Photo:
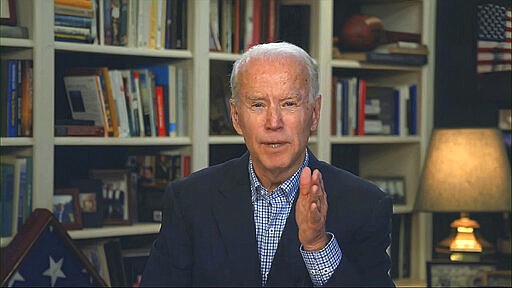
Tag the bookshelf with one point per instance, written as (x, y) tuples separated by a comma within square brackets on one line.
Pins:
[(378, 155)]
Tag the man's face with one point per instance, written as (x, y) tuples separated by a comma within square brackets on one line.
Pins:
[(274, 114)]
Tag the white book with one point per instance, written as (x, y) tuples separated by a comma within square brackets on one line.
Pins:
[(132, 23), (404, 97), (101, 8), (352, 106), (227, 31), (143, 23), (249, 11), (159, 24), (120, 102), (214, 25), (131, 103), (85, 98)]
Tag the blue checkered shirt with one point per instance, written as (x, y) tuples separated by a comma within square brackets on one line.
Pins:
[(271, 210)]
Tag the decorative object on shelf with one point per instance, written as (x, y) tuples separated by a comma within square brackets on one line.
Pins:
[(465, 170), (66, 208), (361, 32), (90, 201), (394, 186), (43, 254), (117, 195), (8, 12), (457, 274)]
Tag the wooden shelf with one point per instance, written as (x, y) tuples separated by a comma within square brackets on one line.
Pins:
[(132, 141), (117, 50), (16, 42), (16, 141), (114, 231), (375, 139), (353, 64)]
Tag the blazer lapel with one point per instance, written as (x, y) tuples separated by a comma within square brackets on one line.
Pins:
[(232, 208)]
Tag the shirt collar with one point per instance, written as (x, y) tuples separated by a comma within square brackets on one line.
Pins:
[(289, 187)]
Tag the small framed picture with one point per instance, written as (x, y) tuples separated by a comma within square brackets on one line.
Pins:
[(457, 274), (116, 194), (8, 12), (66, 208), (498, 278), (394, 186)]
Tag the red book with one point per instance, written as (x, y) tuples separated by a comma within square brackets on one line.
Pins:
[(271, 33), (361, 101), (160, 114), (256, 23), (236, 38)]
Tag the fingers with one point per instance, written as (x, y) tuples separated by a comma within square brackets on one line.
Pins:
[(305, 181)]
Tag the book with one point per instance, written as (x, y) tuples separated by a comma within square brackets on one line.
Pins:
[(119, 97), (72, 21), (226, 26), (412, 110), (74, 11), (137, 96), (68, 30), (215, 44), (182, 102), (7, 199), (132, 103), (9, 31), (402, 47), (146, 95), (75, 3), (143, 23), (85, 98), (160, 114), (79, 130), (383, 58), (12, 98), (248, 24), (14, 195), (386, 99), (361, 102), (26, 94), (256, 24)]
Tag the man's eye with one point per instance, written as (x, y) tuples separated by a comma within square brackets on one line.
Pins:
[(290, 104), (257, 105)]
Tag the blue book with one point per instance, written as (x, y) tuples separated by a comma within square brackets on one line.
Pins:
[(412, 110), (72, 21), (7, 199), (22, 162), (396, 129), (12, 100)]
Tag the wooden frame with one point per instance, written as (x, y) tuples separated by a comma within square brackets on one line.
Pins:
[(8, 12), (393, 185), (457, 274), (66, 208), (22, 252), (117, 194)]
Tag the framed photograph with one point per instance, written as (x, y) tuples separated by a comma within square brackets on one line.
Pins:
[(116, 195), (66, 208), (394, 186), (457, 274), (498, 278), (8, 12)]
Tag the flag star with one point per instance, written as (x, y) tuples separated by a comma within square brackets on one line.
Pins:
[(55, 270), (16, 277)]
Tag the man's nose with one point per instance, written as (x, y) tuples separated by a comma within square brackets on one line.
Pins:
[(274, 118)]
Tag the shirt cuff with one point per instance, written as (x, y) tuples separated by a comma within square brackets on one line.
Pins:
[(322, 264)]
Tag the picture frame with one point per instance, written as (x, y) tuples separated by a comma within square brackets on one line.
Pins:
[(392, 185), (498, 278), (8, 12), (457, 274), (66, 208), (116, 195)]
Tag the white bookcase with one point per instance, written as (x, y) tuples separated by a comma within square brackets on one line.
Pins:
[(379, 155)]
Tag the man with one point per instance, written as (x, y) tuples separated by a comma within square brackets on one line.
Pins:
[(276, 216)]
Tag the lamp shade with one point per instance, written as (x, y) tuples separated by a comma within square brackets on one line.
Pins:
[(466, 170)]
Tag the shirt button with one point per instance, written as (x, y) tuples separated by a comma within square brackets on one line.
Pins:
[(326, 270), (271, 230)]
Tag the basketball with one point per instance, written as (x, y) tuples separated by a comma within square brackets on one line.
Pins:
[(360, 33)]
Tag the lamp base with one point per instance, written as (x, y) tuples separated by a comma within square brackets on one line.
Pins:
[(464, 243)]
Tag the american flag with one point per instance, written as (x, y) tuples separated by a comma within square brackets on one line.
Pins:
[(493, 47)]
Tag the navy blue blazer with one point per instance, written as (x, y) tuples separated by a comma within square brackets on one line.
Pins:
[(208, 234)]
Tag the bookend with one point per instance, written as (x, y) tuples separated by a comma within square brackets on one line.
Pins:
[(43, 254)]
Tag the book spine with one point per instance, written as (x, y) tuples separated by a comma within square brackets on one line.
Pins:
[(72, 21), (361, 107), (26, 91), (403, 59), (107, 22), (6, 202), (22, 162), (12, 100), (123, 30), (115, 17), (160, 111), (75, 3), (73, 11), (79, 130), (72, 30), (256, 24), (111, 104)]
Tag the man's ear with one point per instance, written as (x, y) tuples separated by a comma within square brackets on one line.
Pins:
[(316, 112), (234, 116)]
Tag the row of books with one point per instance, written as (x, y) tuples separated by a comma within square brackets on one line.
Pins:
[(16, 98), (361, 108), (154, 24), (236, 25), (147, 101), (16, 193)]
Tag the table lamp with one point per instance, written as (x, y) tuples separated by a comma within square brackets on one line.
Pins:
[(466, 170)]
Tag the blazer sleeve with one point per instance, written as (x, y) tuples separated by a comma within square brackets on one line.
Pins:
[(365, 261), (169, 262)]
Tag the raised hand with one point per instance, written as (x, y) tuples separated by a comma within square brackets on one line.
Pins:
[(311, 211)]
